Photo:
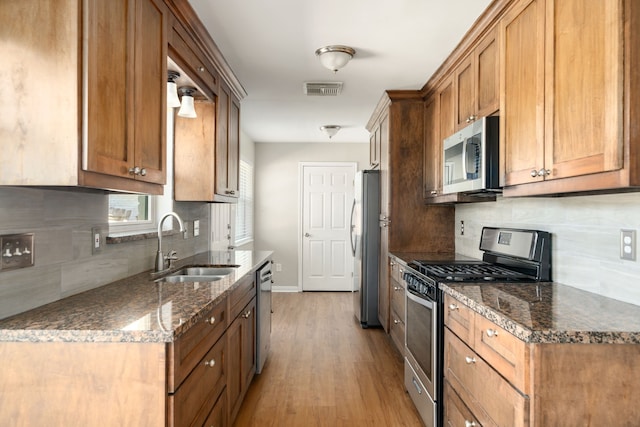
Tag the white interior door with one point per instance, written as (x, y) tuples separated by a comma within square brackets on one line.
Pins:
[(327, 261)]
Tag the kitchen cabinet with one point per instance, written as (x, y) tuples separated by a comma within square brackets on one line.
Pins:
[(241, 342), (398, 301), (227, 144), (476, 82), (494, 378), (406, 223), (103, 120), (374, 150), (566, 121)]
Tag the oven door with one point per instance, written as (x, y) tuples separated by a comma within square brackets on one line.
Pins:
[(421, 340)]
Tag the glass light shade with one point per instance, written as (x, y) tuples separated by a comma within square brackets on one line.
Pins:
[(172, 95), (335, 57), (187, 109), (330, 130)]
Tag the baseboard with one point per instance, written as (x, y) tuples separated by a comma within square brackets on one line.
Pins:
[(285, 289)]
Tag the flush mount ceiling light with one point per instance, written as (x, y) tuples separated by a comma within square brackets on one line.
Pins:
[(187, 109), (172, 89), (330, 130), (335, 57)]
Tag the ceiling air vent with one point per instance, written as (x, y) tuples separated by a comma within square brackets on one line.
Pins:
[(322, 89)]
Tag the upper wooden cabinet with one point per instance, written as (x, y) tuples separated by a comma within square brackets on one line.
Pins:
[(477, 82), (207, 148), (108, 98), (125, 101), (566, 84), (227, 144)]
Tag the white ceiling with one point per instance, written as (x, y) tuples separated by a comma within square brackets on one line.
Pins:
[(271, 44)]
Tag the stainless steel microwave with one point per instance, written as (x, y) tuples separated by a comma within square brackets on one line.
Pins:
[(470, 160)]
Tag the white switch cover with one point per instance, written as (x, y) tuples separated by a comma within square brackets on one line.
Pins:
[(196, 227)]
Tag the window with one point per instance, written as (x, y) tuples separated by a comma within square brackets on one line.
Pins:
[(244, 208), (131, 213)]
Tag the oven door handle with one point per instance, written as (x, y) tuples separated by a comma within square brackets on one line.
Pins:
[(424, 302)]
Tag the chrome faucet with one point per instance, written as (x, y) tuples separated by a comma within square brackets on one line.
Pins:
[(164, 262)]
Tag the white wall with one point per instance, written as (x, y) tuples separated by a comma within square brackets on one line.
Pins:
[(585, 237), (277, 196)]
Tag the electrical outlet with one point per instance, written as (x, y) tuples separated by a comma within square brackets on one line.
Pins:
[(628, 245), (462, 228), (278, 267), (196, 227), (97, 239)]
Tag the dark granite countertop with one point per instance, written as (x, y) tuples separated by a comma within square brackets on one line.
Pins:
[(135, 309), (551, 312)]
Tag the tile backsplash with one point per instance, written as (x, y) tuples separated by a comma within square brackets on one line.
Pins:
[(585, 237), (61, 220)]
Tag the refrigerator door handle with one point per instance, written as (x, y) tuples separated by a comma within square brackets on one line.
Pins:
[(351, 227)]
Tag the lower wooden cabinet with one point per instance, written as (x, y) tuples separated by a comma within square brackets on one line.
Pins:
[(456, 413)]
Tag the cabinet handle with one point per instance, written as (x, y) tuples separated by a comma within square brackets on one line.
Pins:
[(211, 363), (396, 321), (396, 288), (470, 423), (434, 192), (201, 69), (211, 320), (247, 314), (134, 170), (470, 360), (453, 307), (534, 173), (492, 333), (416, 385), (544, 172), (143, 172), (232, 192)]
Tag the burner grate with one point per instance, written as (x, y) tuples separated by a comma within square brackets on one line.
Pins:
[(469, 271)]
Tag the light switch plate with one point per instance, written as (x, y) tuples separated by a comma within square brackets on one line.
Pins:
[(98, 239), (17, 251), (628, 245)]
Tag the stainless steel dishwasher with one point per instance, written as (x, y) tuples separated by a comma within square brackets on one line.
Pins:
[(263, 303)]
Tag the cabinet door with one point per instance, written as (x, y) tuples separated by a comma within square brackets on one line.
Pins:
[(150, 82), (446, 100), (465, 95), (584, 87), (432, 149), (227, 143), (108, 145), (522, 93), (487, 75), (242, 357), (125, 93), (385, 198)]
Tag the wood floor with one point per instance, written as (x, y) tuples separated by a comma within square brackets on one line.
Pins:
[(325, 370)]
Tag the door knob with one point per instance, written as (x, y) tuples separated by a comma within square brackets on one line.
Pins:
[(307, 235)]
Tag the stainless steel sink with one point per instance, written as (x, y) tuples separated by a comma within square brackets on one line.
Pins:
[(209, 273)]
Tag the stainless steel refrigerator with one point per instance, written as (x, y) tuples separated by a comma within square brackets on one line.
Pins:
[(365, 245)]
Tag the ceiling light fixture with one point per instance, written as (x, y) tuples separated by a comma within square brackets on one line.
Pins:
[(187, 108), (330, 130), (335, 57), (172, 89)]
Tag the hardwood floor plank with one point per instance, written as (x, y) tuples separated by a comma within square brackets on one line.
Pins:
[(325, 370)]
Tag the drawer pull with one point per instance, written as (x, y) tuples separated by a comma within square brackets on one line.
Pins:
[(470, 423), (492, 333), (453, 307), (397, 288), (246, 314), (211, 363), (211, 320), (396, 321), (470, 360)]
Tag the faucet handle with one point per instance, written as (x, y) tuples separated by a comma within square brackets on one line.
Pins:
[(171, 256)]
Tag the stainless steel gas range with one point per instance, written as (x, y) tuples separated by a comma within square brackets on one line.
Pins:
[(509, 255)]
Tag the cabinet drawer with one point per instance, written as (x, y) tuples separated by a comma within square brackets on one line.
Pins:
[(459, 318), (218, 415), (456, 412), (200, 390), (398, 298), (396, 269), (507, 354), (185, 352), (492, 399), (242, 294), (396, 330)]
